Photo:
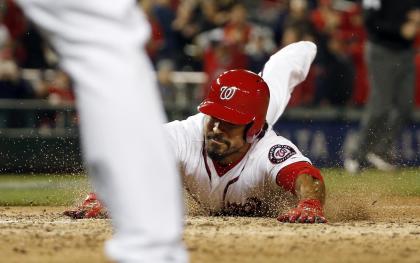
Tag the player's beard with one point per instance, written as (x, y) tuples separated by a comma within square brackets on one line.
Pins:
[(218, 150)]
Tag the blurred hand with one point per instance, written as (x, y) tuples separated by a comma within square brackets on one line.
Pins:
[(9, 70), (409, 30)]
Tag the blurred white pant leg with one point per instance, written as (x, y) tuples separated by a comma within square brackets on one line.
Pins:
[(101, 46)]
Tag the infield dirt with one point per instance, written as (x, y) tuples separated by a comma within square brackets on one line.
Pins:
[(360, 230)]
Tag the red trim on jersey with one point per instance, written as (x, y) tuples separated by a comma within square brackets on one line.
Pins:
[(234, 180), (286, 177), (205, 162), (221, 170)]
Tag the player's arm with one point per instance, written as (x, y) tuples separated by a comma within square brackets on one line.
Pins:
[(308, 187), (306, 182), (283, 72)]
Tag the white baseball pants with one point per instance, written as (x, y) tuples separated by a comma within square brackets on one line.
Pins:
[(100, 44)]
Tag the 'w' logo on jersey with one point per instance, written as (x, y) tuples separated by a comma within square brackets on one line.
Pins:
[(226, 93), (280, 153)]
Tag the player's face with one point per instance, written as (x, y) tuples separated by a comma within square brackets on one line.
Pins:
[(224, 141)]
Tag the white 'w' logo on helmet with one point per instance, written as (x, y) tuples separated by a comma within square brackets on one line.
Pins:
[(226, 93)]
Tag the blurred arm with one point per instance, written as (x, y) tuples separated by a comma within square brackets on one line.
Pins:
[(306, 182)]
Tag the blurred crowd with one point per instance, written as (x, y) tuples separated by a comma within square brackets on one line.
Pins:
[(212, 36), (217, 35)]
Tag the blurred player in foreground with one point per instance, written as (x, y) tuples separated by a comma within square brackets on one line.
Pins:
[(232, 162), (101, 46)]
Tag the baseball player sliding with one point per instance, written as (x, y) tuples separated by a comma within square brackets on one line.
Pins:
[(232, 162)]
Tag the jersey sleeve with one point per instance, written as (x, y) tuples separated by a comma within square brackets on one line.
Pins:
[(182, 135), (286, 177), (283, 72), (276, 154)]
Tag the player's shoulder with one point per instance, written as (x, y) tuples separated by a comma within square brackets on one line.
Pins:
[(271, 137), (277, 149)]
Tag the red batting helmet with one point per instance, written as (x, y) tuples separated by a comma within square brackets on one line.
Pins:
[(239, 97)]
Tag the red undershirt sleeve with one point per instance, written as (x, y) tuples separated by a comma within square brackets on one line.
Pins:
[(287, 176)]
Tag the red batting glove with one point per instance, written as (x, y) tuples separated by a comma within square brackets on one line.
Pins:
[(90, 208), (307, 211)]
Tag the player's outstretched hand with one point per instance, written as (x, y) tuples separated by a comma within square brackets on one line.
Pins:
[(90, 208), (307, 211)]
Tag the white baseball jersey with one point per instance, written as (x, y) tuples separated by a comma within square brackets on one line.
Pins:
[(249, 187), (253, 179)]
